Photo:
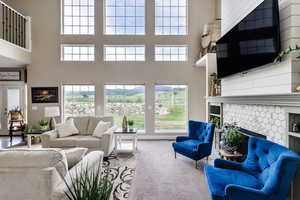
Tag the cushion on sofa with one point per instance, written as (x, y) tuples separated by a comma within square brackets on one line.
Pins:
[(86, 141), (101, 128), (27, 158), (67, 129), (74, 155), (81, 124), (226, 177), (95, 120)]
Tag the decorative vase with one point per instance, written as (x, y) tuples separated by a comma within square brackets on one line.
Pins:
[(44, 128), (125, 124), (131, 129)]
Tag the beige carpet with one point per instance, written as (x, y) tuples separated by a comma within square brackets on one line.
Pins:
[(160, 177)]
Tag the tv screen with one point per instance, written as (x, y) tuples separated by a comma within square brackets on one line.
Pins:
[(253, 42)]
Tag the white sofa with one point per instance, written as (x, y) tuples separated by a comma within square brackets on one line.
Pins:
[(39, 174), (85, 138)]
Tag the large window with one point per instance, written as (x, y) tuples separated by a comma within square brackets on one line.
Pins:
[(124, 53), (78, 100), (170, 17), (125, 17), (170, 53), (126, 100), (171, 107), (78, 17), (70, 52)]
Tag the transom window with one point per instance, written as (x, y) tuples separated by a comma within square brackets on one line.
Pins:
[(71, 52), (125, 17), (78, 17), (170, 17), (124, 53), (170, 53), (78, 100)]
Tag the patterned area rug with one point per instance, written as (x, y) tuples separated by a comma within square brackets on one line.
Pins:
[(121, 169)]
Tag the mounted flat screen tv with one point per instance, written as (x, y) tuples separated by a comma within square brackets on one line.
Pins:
[(252, 43)]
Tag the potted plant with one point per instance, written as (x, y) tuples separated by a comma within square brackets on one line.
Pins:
[(233, 138), (287, 52), (90, 184), (15, 113), (130, 124), (43, 125)]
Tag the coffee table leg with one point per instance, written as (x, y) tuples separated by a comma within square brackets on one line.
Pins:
[(29, 141)]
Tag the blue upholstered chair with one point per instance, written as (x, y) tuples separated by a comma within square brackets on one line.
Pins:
[(198, 143), (266, 174)]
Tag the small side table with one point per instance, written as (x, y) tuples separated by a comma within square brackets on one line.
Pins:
[(229, 156), (33, 134), (120, 145)]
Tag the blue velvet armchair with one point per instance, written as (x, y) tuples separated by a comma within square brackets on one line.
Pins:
[(266, 174), (198, 143)]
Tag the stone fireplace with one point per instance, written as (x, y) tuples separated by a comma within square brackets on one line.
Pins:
[(269, 121)]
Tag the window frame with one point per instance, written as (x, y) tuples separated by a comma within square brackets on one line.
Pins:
[(62, 55), (187, 113), (145, 22), (174, 35), (125, 61), (62, 21), (63, 99), (172, 61)]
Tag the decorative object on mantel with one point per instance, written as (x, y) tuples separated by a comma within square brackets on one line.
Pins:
[(295, 127), (287, 52), (215, 85), (10, 76), (44, 94), (232, 138), (125, 124), (210, 35)]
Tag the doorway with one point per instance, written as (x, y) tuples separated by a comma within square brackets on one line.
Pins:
[(11, 97)]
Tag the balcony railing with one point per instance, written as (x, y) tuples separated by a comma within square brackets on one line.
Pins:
[(14, 27)]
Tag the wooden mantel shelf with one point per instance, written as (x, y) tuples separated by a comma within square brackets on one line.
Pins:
[(292, 99)]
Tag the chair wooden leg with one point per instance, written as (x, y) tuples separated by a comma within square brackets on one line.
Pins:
[(207, 159), (196, 164), (175, 155)]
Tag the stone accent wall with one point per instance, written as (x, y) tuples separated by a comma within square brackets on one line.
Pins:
[(266, 120)]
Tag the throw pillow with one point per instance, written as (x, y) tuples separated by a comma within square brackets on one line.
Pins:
[(101, 128), (74, 155), (67, 129)]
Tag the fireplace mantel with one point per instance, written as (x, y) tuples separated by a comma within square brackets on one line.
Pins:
[(292, 99)]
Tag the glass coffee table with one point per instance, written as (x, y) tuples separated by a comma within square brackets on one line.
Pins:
[(125, 141)]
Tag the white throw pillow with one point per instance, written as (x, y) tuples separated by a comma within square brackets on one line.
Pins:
[(74, 155), (101, 128), (67, 129)]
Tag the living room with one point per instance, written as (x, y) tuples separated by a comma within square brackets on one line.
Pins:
[(149, 99)]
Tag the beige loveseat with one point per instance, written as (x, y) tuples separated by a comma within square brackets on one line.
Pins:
[(85, 138), (40, 174)]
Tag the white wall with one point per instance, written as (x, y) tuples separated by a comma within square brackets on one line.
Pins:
[(279, 78), (47, 70)]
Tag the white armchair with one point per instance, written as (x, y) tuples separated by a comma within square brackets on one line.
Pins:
[(38, 174)]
